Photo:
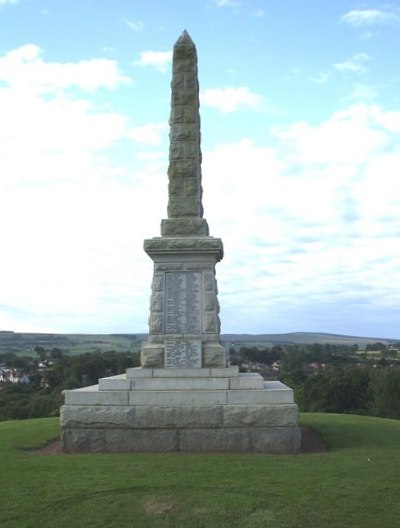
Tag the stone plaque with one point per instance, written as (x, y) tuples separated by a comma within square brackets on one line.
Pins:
[(183, 303), (182, 353)]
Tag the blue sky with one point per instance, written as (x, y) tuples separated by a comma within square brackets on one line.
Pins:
[(300, 109)]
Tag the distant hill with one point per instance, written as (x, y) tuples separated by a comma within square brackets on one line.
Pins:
[(305, 338), (25, 343)]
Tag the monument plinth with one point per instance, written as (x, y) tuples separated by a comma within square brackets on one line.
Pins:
[(185, 396)]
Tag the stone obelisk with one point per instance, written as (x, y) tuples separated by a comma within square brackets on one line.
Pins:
[(184, 397), (184, 325)]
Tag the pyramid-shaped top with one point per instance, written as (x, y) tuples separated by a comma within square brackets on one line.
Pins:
[(184, 40)]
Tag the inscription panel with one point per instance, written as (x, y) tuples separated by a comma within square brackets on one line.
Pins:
[(183, 302), (182, 353)]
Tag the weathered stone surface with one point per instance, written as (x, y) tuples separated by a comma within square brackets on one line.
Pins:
[(228, 372), (178, 416), (214, 356), (115, 383), (215, 440), (184, 226), (182, 373), (165, 245), (265, 396), (167, 384), (152, 357), (74, 440), (100, 417), (276, 440), (247, 381), (139, 372), (95, 397), (260, 415), (119, 440), (189, 397)]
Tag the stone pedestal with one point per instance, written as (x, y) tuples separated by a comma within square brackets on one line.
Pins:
[(181, 410), (184, 325)]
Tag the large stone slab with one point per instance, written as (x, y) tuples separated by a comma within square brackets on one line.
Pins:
[(178, 416), (215, 440), (97, 417), (95, 397), (260, 415), (177, 397), (119, 440), (276, 440), (187, 384)]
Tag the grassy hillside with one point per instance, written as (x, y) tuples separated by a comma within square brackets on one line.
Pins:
[(25, 343), (355, 484)]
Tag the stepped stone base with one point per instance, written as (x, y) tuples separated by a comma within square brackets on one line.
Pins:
[(181, 410)]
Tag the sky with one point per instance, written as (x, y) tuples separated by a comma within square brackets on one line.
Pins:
[(300, 113)]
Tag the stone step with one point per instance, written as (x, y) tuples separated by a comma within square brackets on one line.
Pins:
[(273, 392), (241, 382), (178, 416), (138, 372)]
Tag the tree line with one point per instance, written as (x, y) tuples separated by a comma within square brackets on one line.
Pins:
[(342, 379), (52, 371)]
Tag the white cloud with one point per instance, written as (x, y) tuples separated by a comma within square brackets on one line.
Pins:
[(345, 138), (231, 99), (361, 92), (370, 17), (259, 13), (150, 134), (354, 64), (5, 2), (227, 3), (135, 25), (23, 68), (311, 221), (158, 59)]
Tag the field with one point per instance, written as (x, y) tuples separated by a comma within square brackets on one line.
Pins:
[(24, 343), (355, 484)]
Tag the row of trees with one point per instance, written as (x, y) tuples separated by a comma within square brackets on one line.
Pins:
[(341, 380), (51, 373)]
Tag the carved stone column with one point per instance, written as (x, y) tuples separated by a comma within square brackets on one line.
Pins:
[(184, 325)]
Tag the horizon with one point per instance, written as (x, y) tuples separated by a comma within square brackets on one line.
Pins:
[(262, 334), (300, 141)]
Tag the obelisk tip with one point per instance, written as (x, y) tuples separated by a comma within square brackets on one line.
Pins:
[(184, 39)]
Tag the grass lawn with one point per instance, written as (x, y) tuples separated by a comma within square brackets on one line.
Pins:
[(355, 484)]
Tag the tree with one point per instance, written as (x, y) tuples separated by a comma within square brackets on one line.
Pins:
[(384, 389)]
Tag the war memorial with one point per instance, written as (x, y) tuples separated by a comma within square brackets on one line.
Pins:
[(185, 397)]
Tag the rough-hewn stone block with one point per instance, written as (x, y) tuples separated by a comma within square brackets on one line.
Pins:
[(247, 381), (168, 384), (215, 440), (197, 397), (260, 415), (214, 356), (178, 416), (119, 440), (95, 397), (152, 356), (276, 440), (100, 417), (240, 397)]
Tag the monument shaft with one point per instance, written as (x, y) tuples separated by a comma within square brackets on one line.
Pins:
[(184, 323)]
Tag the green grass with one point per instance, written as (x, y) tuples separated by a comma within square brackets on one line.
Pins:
[(355, 484)]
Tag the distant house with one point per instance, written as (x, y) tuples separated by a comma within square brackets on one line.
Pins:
[(8, 376)]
